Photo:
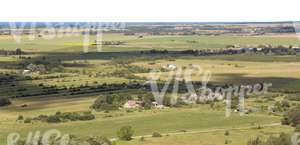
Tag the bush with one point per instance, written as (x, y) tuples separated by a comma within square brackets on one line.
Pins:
[(27, 120), (297, 128), (87, 116), (167, 101), (125, 133), (227, 141), (72, 116), (130, 110), (285, 103), (41, 118), (99, 141), (226, 133), (107, 103), (4, 102), (147, 99), (67, 116), (20, 117), (142, 138), (53, 119), (156, 134), (292, 117), (259, 127), (74, 140)]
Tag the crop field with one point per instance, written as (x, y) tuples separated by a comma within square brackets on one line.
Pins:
[(225, 71), (133, 43)]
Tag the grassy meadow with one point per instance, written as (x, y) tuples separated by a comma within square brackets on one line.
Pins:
[(189, 125), (194, 118), (133, 43), (282, 74)]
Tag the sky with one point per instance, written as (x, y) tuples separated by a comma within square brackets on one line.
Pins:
[(150, 10)]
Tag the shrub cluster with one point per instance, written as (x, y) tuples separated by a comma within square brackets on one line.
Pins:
[(63, 117), (98, 141), (282, 106), (4, 102), (108, 103), (156, 134), (292, 117), (125, 133)]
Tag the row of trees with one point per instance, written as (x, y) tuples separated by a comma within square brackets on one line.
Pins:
[(280, 50), (18, 51), (60, 117), (115, 101), (109, 102)]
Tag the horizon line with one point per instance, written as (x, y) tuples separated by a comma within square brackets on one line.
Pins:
[(230, 22)]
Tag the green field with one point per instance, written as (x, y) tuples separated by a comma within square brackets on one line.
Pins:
[(192, 119), (189, 125), (237, 137), (133, 43), (244, 69)]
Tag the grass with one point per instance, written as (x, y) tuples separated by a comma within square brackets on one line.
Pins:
[(146, 122), (133, 43), (283, 75), (282, 71), (236, 137)]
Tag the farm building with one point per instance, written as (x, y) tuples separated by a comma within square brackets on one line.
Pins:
[(132, 104), (171, 66)]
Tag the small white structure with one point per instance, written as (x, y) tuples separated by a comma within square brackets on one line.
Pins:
[(26, 72), (259, 49), (171, 66), (160, 107), (156, 105)]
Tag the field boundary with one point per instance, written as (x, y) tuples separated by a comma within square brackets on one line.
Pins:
[(203, 131)]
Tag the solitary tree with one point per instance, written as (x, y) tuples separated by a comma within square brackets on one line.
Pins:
[(125, 133), (18, 51)]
